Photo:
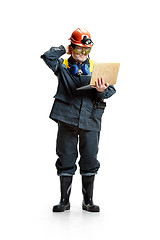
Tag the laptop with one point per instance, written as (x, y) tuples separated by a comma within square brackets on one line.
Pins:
[(109, 72)]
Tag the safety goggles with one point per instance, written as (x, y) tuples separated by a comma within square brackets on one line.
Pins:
[(81, 50)]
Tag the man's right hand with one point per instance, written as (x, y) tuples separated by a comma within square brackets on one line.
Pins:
[(68, 49)]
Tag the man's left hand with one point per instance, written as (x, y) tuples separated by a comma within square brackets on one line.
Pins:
[(100, 85)]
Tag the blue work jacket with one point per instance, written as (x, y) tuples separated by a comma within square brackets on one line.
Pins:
[(82, 108)]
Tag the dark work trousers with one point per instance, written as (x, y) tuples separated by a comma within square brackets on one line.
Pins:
[(67, 150)]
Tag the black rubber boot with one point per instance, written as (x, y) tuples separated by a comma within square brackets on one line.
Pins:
[(87, 190), (65, 185)]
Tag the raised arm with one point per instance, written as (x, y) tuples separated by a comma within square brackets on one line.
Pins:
[(51, 57)]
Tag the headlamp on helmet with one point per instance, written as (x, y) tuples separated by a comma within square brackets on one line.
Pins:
[(86, 40)]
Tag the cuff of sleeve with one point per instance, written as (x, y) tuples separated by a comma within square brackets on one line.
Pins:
[(63, 49), (102, 95)]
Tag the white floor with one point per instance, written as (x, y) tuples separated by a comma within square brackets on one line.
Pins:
[(129, 206), (127, 187)]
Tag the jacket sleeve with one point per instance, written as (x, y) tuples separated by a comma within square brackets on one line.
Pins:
[(52, 56), (107, 93)]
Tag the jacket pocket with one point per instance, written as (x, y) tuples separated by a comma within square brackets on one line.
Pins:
[(97, 113)]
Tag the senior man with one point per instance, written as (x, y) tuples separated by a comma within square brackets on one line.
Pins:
[(78, 114)]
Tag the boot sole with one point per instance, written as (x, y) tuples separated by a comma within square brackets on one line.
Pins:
[(90, 209), (61, 209)]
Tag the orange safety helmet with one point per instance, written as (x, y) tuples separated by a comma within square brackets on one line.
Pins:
[(81, 37)]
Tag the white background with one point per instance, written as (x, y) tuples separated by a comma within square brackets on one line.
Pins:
[(127, 186)]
